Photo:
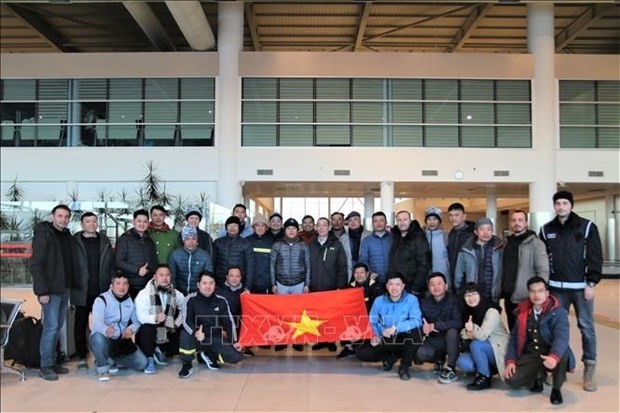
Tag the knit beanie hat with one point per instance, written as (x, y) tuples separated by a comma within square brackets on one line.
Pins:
[(274, 215), (432, 211), (291, 222), (233, 220), (259, 219), (192, 210), (188, 232), (352, 214), (563, 195)]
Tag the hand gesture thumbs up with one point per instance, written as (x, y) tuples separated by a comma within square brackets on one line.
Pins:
[(469, 325), (200, 335)]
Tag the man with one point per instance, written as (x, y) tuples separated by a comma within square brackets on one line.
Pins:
[(136, 255), (193, 216), (375, 249), (575, 263), (275, 226), (207, 328), (437, 241), (441, 325), (328, 266), (158, 307), (524, 257), (231, 291), (96, 258), (239, 211), (54, 269), (338, 229), (114, 324), (289, 267), (308, 233), (461, 231), (352, 239), (165, 238), (539, 342), (372, 289), (480, 262), (259, 281), (396, 320), (409, 253), (231, 250), (186, 263)]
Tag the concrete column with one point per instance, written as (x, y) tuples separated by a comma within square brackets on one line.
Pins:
[(492, 210), (369, 209), (228, 102), (541, 44), (387, 200)]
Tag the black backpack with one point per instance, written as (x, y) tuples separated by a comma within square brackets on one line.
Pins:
[(24, 339)]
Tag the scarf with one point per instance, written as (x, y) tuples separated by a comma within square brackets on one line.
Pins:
[(164, 227), (155, 293)]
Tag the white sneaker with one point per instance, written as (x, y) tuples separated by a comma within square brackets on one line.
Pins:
[(104, 377)]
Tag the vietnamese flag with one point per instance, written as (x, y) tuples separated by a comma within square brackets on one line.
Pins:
[(324, 317)]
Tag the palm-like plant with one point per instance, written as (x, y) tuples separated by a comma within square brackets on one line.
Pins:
[(15, 192)]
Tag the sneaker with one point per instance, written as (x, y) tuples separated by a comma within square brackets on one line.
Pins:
[(438, 369), (150, 366), (104, 377), (199, 357), (447, 376), (298, 347), (211, 363), (280, 347), (346, 352), (589, 376), (480, 383), (332, 347), (58, 369), (82, 364), (186, 371), (48, 373), (403, 373), (248, 352), (319, 346), (389, 362), (113, 370), (159, 357)]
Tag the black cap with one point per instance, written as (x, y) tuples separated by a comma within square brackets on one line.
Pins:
[(353, 214), (291, 222), (563, 195), (233, 220)]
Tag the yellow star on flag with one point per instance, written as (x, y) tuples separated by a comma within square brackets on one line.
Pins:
[(306, 325)]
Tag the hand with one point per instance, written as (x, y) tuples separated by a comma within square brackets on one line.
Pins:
[(159, 317), (374, 275), (389, 332), (549, 362), (427, 328), (237, 347), (588, 293), (469, 325), (509, 370), (306, 290), (246, 292), (274, 289), (109, 331), (375, 341), (127, 333), (142, 271), (200, 336), (44, 299)]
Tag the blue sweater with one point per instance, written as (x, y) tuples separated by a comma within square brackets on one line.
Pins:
[(405, 314)]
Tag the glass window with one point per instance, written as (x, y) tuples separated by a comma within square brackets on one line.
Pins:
[(368, 89), (513, 114), (441, 113), (407, 136), (296, 89), (197, 112), (576, 137), (477, 90), (332, 112), (407, 89), (477, 113), (296, 135), (92, 89), (368, 135), (577, 114), (442, 136), (53, 89), (161, 89), (19, 89), (577, 91), (259, 112), (512, 90), (608, 91), (609, 138), (260, 88), (478, 136), (333, 135), (296, 112), (608, 115), (368, 112), (406, 112), (197, 88), (336, 89), (441, 89), (259, 135)]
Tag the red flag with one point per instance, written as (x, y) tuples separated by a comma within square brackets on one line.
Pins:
[(324, 317)]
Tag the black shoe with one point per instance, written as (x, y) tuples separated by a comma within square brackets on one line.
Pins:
[(319, 346), (280, 347), (265, 347), (403, 373), (186, 371), (389, 362), (47, 373), (298, 347), (210, 361), (537, 387), (438, 369), (332, 347), (58, 369), (556, 397), (199, 357), (346, 352), (480, 383), (248, 352)]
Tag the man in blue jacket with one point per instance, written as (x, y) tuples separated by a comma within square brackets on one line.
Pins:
[(375, 249), (186, 263), (396, 322)]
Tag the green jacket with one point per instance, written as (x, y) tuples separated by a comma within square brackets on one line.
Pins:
[(165, 243)]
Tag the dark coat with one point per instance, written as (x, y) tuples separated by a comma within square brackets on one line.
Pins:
[(456, 239), (261, 254), (446, 313), (372, 290), (231, 252), (328, 265), (409, 256), (107, 268), (132, 252)]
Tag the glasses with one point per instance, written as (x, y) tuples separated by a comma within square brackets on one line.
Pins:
[(470, 295)]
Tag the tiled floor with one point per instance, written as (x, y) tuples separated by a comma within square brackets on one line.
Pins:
[(317, 382)]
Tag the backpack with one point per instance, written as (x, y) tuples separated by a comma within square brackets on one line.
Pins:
[(24, 339)]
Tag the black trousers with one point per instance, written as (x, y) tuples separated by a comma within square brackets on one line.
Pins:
[(80, 331), (438, 345), (509, 307), (530, 366), (145, 339), (214, 346), (403, 345)]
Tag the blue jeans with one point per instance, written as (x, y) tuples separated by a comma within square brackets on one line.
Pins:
[(54, 317), (479, 359), (100, 346), (584, 310), (290, 289)]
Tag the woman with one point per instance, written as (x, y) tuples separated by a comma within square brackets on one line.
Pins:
[(489, 339)]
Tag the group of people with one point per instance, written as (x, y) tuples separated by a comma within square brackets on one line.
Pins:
[(432, 295)]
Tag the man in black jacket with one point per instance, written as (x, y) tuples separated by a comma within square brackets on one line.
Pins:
[(261, 241), (409, 254), (461, 231), (54, 269), (136, 255), (96, 258), (575, 263), (231, 250)]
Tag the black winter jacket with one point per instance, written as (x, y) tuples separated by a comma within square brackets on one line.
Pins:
[(409, 256), (132, 252), (328, 265), (231, 252), (107, 268), (212, 313), (261, 254), (456, 239), (446, 313), (290, 263)]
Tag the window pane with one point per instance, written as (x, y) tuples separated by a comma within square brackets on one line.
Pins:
[(197, 88), (19, 89), (296, 89), (477, 113), (125, 112), (259, 112), (123, 135), (407, 89), (296, 112), (368, 135), (164, 89), (609, 138), (477, 90), (333, 89), (125, 89), (296, 135), (92, 89), (197, 135), (442, 136), (608, 91), (608, 115), (577, 137), (513, 90), (160, 112), (260, 88), (259, 135), (7, 131), (197, 112), (367, 112), (514, 137), (332, 112), (478, 137), (53, 89), (333, 135), (442, 113), (49, 135), (441, 89), (513, 113), (27, 133), (52, 112), (576, 91), (159, 135), (371, 89), (406, 112), (407, 135), (576, 114)]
